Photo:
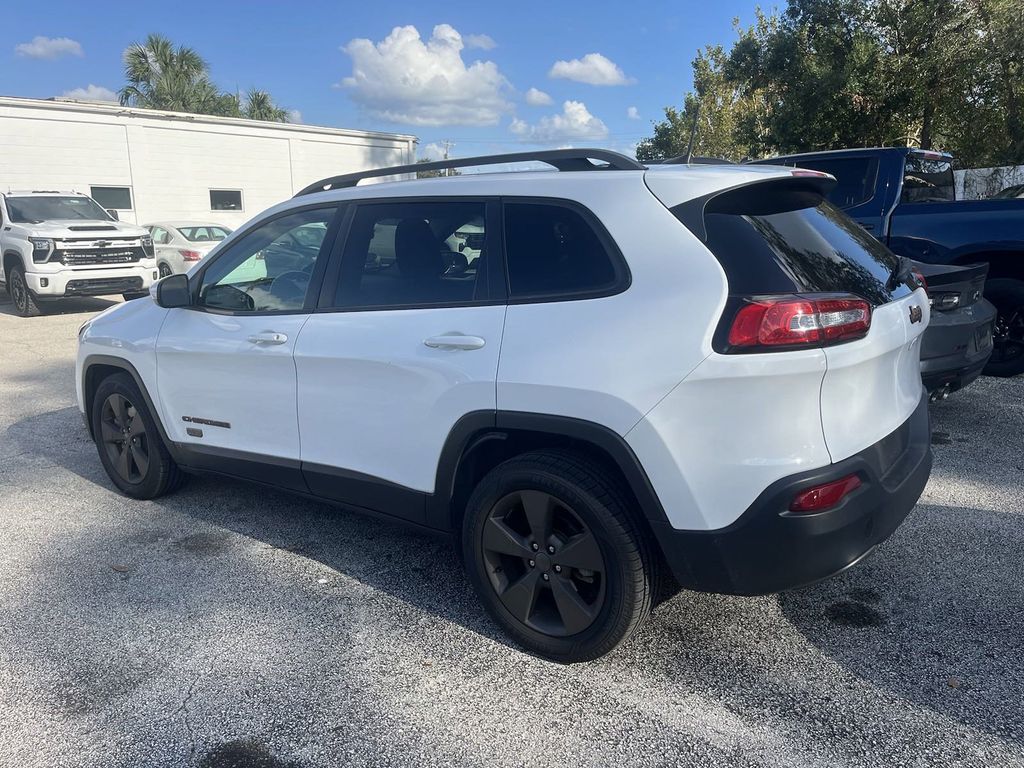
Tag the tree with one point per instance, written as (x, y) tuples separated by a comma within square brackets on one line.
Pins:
[(829, 74), (161, 76)]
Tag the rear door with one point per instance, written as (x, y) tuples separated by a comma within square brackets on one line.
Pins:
[(856, 191), (404, 343)]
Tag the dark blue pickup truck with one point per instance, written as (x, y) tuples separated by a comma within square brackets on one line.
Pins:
[(906, 198)]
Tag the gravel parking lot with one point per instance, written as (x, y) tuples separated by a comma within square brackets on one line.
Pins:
[(229, 625)]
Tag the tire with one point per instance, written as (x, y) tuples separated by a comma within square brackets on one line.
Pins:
[(21, 295), (137, 462), (562, 612), (1007, 294), (165, 270)]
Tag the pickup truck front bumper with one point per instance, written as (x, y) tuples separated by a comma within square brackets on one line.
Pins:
[(98, 281), (956, 346)]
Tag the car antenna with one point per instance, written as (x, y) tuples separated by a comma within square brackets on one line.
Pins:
[(693, 135)]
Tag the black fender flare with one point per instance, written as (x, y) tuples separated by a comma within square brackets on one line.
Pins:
[(479, 426)]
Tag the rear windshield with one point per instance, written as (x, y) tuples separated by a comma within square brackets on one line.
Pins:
[(816, 249), (927, 180), (204, 234)]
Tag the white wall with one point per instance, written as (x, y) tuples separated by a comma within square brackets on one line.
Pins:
[(171, 162), (981, 183)]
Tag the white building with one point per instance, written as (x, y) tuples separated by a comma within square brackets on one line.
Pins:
[(151, 165)]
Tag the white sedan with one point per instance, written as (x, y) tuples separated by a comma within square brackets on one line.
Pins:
[(179, 245)]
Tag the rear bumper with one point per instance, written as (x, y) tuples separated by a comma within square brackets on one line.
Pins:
[(956, 346), (769, 549)]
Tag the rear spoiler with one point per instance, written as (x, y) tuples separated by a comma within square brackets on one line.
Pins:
[(761, 197)]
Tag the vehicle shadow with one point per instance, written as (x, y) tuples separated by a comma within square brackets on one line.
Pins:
[(935, 618), (70, 306)]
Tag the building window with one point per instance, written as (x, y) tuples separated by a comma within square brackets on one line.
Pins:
[(225, 199), (116, 198)]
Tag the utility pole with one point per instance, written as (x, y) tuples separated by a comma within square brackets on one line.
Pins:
[(447, 145)]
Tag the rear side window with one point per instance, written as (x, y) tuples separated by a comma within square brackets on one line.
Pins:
[(856, 177), (927, 180), (554, 252), (812, 249), (416, 253)]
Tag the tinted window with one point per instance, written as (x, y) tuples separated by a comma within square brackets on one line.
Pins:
[(855, 177), (269, 268), (118, 198), (204, 234), (414, 253), (813, 250), (927, 180), (553, 251), (225, 200)]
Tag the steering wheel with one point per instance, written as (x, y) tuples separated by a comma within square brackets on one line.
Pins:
[(290, 287)]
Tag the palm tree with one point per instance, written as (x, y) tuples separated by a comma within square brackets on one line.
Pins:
[(161, 76), (260, 106)]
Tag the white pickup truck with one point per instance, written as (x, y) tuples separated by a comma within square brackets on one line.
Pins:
[(58, 244)]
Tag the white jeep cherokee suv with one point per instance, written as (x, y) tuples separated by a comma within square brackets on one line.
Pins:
[(58, 244), (642, 379)]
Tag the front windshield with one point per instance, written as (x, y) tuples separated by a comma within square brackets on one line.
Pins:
[(34, 210)]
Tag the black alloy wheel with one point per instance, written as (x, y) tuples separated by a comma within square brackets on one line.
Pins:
[(1008, 334), (21, 295), (165, 271), (556, 556), (544, 563), (124, 437)]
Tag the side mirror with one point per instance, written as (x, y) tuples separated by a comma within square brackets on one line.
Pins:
[(113, 214), (173, 291)]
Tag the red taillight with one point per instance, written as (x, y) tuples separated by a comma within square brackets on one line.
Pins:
[(799, 321), (919, 276), (825, 496), (190, 255)]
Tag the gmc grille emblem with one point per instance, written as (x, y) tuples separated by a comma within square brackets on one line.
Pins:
[(916, 315)]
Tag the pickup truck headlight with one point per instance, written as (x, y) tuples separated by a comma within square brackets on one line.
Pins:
[(944, 301), (42, 247), (147, 244)]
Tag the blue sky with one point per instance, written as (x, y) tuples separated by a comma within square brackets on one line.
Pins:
[(458, 71)]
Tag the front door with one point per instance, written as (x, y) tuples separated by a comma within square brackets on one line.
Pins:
[(404, 343), (225, 374)]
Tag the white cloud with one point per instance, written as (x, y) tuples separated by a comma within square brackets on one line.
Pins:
[(483, 42), (633, 113), (573, 123), (537, 98), (404, 79), (593, 69), (90, 93), (49, 48), (294, 116), (431, 151)]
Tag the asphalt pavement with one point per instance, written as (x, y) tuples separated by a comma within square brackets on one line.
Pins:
[(228, 625)]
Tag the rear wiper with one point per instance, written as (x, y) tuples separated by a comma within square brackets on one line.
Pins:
[(902, 272)]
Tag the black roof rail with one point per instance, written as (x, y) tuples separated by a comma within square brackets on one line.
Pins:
[(695, 160), (560, 159)]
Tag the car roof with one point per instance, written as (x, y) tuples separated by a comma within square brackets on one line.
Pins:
[(180, 224), (853, 152)]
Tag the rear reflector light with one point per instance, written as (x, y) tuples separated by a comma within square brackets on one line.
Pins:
[(825, 496), (190, 255), (795, 321)]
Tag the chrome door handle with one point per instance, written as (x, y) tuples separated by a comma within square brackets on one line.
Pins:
[(268, 337), (454, 341)]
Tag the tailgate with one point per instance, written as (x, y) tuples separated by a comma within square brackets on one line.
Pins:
[(872, 385)]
